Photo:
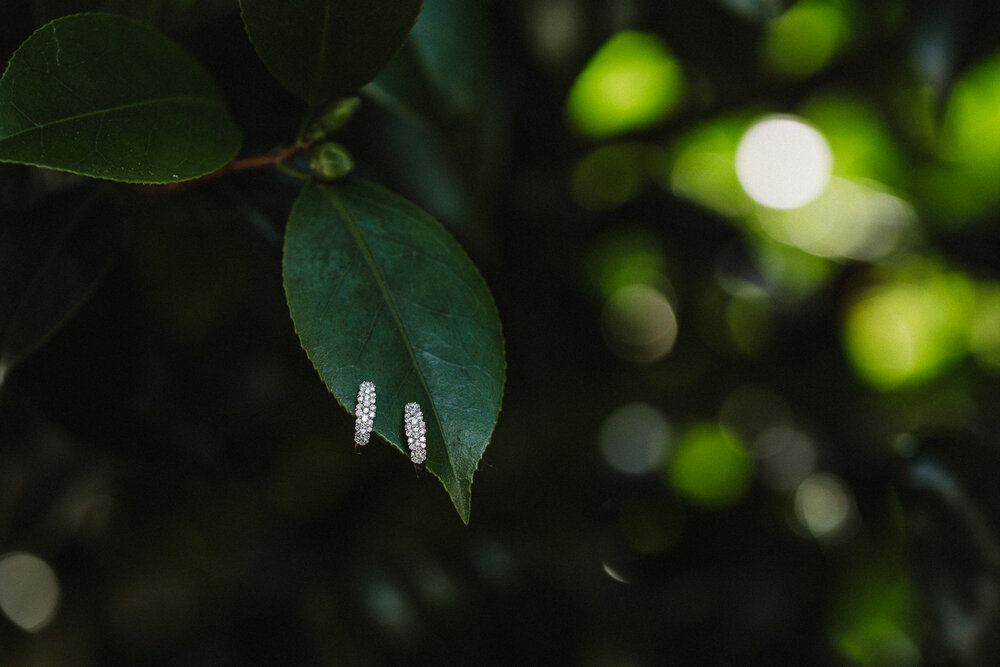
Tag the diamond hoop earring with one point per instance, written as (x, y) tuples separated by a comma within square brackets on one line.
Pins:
[(416, 435), (364, 415)]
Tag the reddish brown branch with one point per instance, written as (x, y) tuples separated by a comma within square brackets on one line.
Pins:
[(256, 161), (239, 164)]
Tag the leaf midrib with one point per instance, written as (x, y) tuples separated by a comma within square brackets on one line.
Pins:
[(132, 105), (355, 231)]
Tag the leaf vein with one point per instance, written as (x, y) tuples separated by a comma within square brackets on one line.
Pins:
[(387, 296), (106, 110)]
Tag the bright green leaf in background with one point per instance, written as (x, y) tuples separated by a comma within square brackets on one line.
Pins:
[(710, 467), (108, 97), (859, 137), (963, 187), (911, 327), (970, 131), (324, 49), (874, 620), (380, 291), (984, 334), (631, 83), (805, 39), (704, 166)]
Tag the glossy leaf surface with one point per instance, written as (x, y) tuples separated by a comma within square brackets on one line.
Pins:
[(324, 49), (105, 96), (380, 291)]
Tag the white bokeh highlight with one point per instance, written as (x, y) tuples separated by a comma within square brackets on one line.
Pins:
[(29, 591), (634, 438), (823, 504), (783, 163)]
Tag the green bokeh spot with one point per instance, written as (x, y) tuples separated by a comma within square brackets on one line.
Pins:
[(710, 466), (910, 328), (858, 136), (873, 619), (805, 39), (985, 335), (632, 82), (627, 258), (963, 187), (608, 176), (971, 133), (704, 166)]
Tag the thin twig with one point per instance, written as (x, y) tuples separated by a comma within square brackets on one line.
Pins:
[(240, 164)]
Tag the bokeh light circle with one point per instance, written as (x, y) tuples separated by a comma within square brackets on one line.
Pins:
[(639, 323), (822, 504), (29, 590), (783, 163), (710, 466), (634, 438)]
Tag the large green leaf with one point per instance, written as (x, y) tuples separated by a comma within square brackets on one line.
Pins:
[(380, 291), (324, 49), (53, 257), (106, 96)]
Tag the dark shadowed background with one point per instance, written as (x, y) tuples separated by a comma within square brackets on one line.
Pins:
[(747, 260)]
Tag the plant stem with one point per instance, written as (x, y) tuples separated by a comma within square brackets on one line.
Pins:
[(274, 158), (257, 161)]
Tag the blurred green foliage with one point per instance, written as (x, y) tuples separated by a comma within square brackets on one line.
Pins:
[(731, 434)]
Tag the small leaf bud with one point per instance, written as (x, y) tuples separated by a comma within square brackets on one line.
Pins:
[(334, 117), (330, 161)]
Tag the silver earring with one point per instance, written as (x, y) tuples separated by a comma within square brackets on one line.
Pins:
[(364, 415), (416, 435)]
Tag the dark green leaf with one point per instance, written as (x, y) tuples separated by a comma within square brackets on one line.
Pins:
[(325, 49), (450, 121), (440, 72), (141, 10), (380, 291), (105, 96), (52, 259)]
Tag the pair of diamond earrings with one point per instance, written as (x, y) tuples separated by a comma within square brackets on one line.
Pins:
[(413, 424)]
